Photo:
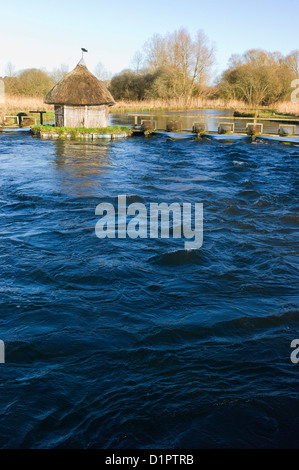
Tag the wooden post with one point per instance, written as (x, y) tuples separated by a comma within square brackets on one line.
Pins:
[(199, 127), (148, 125), (173, 126), (286, 129), (40, 115), (226, 127), (254, 128)]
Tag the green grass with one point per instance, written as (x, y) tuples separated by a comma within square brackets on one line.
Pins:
[(75, 131), (48, 116), (274, 114), (267, 113)]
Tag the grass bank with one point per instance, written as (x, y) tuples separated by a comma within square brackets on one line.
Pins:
[(78, 132), (262, 114)]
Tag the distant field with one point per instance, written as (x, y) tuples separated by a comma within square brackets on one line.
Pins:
[(16, 104)]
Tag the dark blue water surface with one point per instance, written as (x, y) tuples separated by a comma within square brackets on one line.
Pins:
[(139, 343)]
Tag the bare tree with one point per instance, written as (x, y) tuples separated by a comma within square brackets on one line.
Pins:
[(156, 52), (235, 61), (203, 61), (292, 62), (102, 73), (137, 62), (59, 73), (10, 70), (256, 57), (258, 77), (186, 62)]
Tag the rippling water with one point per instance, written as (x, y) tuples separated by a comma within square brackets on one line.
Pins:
[(140, 344)]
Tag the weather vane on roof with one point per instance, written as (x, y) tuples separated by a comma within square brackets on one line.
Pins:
[(83, 50)]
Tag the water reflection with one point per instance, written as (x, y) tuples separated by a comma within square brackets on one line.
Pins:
[(189, 117), (80, 166)]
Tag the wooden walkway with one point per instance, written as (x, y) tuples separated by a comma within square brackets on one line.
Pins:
[(228, 137)]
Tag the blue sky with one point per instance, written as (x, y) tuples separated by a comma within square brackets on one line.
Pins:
[(47, 34)]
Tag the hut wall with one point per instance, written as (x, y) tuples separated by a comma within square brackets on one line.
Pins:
[(82, 116)]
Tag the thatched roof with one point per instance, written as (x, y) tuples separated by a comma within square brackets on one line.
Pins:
[(80, 88)]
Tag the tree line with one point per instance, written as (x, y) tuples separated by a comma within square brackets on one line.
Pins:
[(179, 66), (259, 78)]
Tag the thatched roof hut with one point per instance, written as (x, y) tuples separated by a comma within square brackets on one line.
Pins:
[(80, 100)]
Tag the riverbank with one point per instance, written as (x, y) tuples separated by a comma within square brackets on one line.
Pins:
[(16, 104)]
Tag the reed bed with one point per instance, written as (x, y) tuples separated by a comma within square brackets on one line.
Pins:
[(15, 104), (177, 104), (287, 108)]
